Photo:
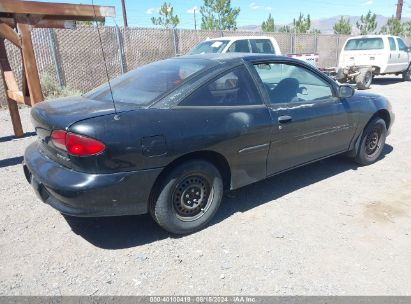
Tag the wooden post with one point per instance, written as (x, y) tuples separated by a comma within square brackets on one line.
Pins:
[(10, 83), (30, 66)]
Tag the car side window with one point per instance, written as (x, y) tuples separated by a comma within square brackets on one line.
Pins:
[(401, 45), (239, 46), (234, 88), (263, 46), (286, 83), (393, 47)]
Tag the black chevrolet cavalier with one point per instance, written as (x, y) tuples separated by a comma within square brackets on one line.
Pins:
[(170, 137)]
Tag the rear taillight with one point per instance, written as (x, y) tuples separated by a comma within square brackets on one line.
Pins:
[(58, 138), (75, 144)]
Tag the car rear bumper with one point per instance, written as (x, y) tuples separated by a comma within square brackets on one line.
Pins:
[(84, 194)]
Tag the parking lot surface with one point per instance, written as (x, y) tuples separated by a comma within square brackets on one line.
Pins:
[(329, 228)]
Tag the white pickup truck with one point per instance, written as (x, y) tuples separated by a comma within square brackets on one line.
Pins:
[(248, 44), (363, 57)]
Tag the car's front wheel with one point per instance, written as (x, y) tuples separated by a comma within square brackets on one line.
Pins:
[(189, 197), (372, 142)]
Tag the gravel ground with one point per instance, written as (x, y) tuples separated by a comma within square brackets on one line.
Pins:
[(330, 228)]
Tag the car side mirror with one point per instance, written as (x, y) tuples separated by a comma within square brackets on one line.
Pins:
[(346, 91)]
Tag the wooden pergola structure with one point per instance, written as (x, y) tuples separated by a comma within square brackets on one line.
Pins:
[(17, 19)]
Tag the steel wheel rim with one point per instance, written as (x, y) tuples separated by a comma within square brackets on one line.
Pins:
[(373, 142), (192, 197)]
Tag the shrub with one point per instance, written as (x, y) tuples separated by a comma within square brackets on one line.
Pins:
[(52, 89)]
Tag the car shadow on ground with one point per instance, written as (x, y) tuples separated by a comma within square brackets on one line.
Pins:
[(386, 81), (11, 161), (130, 231)]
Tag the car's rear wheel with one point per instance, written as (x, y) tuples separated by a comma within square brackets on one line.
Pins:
[(189, 197), (372, 142), (364, 79), (406, 75)]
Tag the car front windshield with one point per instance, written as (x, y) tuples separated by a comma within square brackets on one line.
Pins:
[(143, 85), (209, 47), (364, 44)]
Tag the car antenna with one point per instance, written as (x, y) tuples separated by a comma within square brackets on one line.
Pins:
[(116, 117)]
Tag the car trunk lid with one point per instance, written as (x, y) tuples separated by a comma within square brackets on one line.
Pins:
[(61, 113)]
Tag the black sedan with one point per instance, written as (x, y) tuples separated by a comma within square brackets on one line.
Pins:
[(170, 137)]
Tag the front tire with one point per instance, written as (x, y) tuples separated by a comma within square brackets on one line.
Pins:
[(189, 197), (372, 142), (406, 75), (364, 79)]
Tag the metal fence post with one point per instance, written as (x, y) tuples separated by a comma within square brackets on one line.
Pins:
[(56, 57), (337, 53), (295, 40), (315, 43), (121, 50), (174, 41)]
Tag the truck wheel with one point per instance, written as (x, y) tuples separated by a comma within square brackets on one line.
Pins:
[(189, 197), (364, 79), (372, 142), (406, 75)]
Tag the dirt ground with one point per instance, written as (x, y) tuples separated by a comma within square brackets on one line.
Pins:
[(330, 228)]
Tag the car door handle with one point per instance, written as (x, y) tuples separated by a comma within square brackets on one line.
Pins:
[(284, 119)]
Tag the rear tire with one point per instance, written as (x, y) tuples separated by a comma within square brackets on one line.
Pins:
[(364, 79), (406, 75), (189, 197), (372, 142)]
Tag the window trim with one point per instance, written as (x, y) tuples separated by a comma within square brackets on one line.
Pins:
[(250, 50), (209, 81), (254, 45), (399, 48), (395, 44), (327, 80), (363, 38)]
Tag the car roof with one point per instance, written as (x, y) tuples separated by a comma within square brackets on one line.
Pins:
[(371, 36), (230, 57), (239, 38)]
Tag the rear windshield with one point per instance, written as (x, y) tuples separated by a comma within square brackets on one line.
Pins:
[(142, 85), (364, 44), (211, 46)]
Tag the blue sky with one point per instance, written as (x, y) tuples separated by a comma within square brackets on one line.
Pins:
[(253, 12)]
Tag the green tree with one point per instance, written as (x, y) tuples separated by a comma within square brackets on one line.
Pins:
[(218, 15), (268, 25), (342, 26), (367, 24), (166, 19), (393, 27), (285, 29), (315, 31), (302, 24), (406, 26)]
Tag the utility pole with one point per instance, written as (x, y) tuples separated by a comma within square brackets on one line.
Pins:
[(399, 8), (195, 20), (123, 5)]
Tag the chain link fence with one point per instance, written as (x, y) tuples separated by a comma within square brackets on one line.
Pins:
[(74, 58)]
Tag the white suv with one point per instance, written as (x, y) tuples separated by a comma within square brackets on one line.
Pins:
[(241, 44), (248, 44), (363, 57)]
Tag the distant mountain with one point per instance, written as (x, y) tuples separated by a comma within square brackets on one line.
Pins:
[(325, 25)]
